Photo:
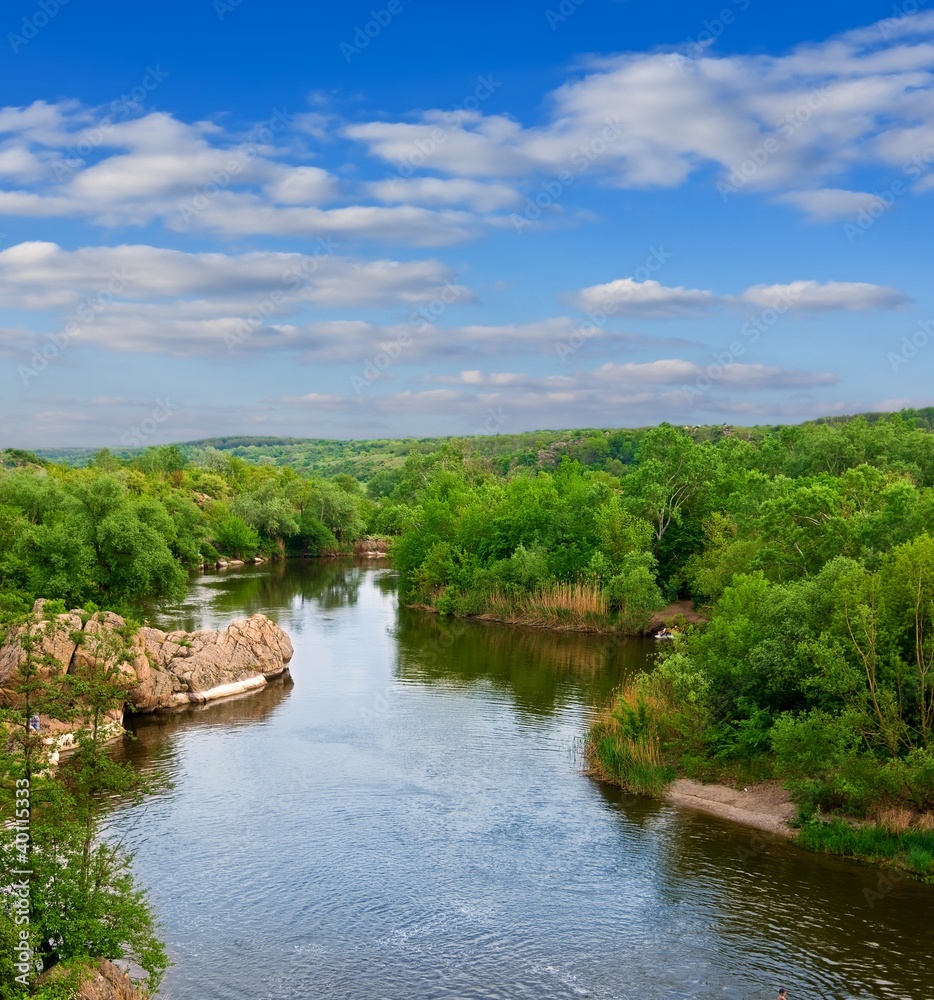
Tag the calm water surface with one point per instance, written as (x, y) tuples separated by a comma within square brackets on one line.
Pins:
[(409, 820)]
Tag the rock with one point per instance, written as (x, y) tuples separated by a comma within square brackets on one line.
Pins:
[(234, 562), (167, 669), (103, 982), (191, 668), (55, 641)]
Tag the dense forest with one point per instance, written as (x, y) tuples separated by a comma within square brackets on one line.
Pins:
[(116, 532), (808, 550), (371, 461)]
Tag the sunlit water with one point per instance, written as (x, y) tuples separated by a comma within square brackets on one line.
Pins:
[(409, 819)]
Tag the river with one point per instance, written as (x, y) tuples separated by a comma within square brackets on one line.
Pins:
[(408, 819)]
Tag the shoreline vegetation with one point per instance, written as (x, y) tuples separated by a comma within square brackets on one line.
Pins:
[(808, 550)]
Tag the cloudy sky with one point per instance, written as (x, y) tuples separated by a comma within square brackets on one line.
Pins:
[(418, 218)]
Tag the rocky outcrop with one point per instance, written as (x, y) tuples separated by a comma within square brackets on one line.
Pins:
[(102, 982), (371, 548), (167, 669)]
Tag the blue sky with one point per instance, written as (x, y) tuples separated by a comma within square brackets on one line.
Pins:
[(373, 220)]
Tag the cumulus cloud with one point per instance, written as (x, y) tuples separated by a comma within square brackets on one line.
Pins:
[(828, 204), (650, 299), (797, 126), (437, 191), (37, 275), (771, 123), (814, 296), (196, 176)]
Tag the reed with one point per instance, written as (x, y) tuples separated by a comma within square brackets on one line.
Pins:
[(895, 819), (624, 746), (573, 606)]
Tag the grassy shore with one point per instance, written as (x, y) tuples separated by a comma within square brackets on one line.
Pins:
[(632, 746)]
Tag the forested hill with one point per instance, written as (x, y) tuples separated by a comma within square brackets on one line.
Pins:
[(609, 449)]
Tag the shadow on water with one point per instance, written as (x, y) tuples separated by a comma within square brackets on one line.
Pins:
[(541, 671), (811, 922), (218, 597)]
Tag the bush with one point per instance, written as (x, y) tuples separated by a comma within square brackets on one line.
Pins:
[(233, 536)]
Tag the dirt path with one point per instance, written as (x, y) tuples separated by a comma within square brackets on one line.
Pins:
[(679, 609), (766, 806)]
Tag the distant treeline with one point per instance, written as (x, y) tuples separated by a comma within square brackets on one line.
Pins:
[(364, 460), (115, 532)]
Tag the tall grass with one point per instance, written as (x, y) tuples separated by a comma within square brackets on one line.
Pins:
[(624, 746), (910, 847), (574, 606)]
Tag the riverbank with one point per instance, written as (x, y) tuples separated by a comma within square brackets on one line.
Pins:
[(766, 806), (894, 837), (565, 617)]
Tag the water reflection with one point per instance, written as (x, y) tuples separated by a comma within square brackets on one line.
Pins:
[(150, 737), (215, 598), (406, 821), (541, 670)]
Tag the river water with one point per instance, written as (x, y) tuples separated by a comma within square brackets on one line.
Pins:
[(408, 819)]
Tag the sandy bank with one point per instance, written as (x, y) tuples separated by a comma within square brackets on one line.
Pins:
[(674, 612), (766, 806)]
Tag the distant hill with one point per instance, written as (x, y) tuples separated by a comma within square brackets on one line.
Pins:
[(604, 447)]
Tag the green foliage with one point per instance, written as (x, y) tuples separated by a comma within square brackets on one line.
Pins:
[(116, 533), (233, 536), (912, 849), (79, 900)]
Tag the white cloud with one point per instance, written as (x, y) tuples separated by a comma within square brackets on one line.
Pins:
[(650, 299), (437, 191), (770, 123), (829, 204), (606, 396), (632, 375), (628, 297), (796, 125), (812, 296), (38, 275)]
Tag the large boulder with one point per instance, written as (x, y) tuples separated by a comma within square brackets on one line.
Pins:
[(194, 667), (166, 669)]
